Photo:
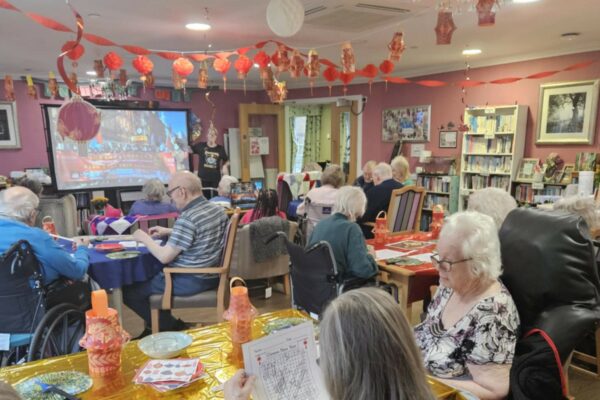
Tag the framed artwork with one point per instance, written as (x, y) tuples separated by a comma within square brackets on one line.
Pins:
[(568, 112), (567, 173), (409, 124), (9, 129), (448, 139), (552, 176), (527, 169)]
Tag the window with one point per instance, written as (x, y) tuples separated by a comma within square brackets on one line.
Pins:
[(298, 145)]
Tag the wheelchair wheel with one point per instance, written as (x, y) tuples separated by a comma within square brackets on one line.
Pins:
[(58, 333)]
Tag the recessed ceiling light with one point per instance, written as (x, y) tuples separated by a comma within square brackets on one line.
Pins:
[(91, 73), (570, 35), (198, 26), (524, 1), (471, 52), (209, 45)]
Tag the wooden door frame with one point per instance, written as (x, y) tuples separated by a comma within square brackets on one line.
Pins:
[(247, 109)]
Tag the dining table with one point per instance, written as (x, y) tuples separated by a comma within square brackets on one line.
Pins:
[(211, 344)]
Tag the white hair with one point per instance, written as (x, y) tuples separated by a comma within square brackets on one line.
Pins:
[(154, 190), (400, 168), (494, 202), (476, 236), (224, 188), (582, 206), (350, 201), (383, 171), (18, 203)]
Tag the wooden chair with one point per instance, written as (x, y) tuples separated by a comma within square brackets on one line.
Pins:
[(148, 221), (209, 298), (404, 211)]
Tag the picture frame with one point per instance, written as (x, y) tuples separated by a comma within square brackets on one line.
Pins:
[(527, 169), (409, 124), (448, 139), (557, 123), (552, 178), (9, 127), (567, 176)]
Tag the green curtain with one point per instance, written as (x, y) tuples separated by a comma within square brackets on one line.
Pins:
[(293, 144), (345, 138), (312, 139)]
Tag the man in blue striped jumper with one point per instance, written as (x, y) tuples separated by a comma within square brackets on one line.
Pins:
[(196, 240)]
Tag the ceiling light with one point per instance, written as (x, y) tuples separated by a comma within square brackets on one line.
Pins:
[(256, 65), (91, 73), (209, 45), (524, 1), (94, 15), (198, 26), (471, 52), (570, 35)]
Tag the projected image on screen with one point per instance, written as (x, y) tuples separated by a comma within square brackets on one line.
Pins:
[(131, 147)]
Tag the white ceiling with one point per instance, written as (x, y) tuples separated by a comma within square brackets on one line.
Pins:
[(522, 31)]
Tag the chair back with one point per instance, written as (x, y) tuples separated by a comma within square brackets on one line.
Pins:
[(315, 212), (63, 211), (229, 241), (404, 211), (148, 221), (284, 195)]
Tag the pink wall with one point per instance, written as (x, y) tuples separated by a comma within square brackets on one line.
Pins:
[(33, 139), (268, 123)]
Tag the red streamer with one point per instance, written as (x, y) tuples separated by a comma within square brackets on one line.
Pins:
[(48, 22), (99, 40), (503, 81), (138, 51), (540, 75), (428, 83)]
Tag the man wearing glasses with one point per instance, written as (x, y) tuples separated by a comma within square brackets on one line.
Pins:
[(196, 240)]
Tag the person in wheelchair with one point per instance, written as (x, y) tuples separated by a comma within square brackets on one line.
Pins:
[(331, 180), (345, 237)]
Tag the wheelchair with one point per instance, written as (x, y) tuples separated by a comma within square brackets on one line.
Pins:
[(35, 332)]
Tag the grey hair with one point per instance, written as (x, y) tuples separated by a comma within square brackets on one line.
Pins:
[(154, 190), (400, 168), (476, 236), (383, 171), (32, 184), (18, 203), (368, 350), (350, 201), (494, 202), (585, 207), (333, 175), (224, 188)]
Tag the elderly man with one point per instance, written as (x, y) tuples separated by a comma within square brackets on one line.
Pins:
[(196, 240), (378, 198), (365, 181)]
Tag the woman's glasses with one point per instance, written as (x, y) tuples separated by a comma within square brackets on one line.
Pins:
[(445, 265)]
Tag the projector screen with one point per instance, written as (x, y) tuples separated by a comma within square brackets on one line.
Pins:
[(131, 147)]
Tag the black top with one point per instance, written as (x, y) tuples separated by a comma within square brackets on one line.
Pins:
[(211, 161), (360, 181), (378, 199)]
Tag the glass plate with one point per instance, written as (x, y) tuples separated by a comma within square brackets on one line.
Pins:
[(123, 255), (72, 382), (165, 344)]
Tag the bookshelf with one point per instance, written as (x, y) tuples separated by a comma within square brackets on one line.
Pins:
[(533, 194), (492, 148), (441, 189)]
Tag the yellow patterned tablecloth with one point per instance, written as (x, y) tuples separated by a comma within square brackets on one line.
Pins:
[(211, 344)]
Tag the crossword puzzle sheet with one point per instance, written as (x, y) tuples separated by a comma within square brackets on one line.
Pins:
[(285, 364)]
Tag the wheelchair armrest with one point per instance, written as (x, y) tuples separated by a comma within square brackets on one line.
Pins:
[(354, 283)]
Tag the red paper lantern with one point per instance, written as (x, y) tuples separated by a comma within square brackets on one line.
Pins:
[(386, 67), (74, 53), (485, 15), (78, 120), (330, 74), (113, 61), (445, 27), (143, 65), (222, 65), (183, 67), (369, 71), (242, 66), (262, 59)]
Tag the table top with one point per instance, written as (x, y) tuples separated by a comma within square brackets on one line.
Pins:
[(212, 344), (425, 268)]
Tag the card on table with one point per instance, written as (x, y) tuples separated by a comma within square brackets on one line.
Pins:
[(174, 370)]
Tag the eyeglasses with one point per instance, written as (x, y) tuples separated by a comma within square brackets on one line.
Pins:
[(170, 192), (445, 265)]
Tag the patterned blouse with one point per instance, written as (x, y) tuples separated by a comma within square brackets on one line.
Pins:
[(486, 334)]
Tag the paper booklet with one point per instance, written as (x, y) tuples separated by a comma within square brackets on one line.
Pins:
[(285, 365)]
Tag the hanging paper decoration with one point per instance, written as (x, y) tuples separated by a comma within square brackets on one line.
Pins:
[(222, 65), (78, 120), (149, 80), (297, 64), (182, 67), (203, 76), (31, 92), (75, 53), (279, 92), (262, 60), (113, 61), (280, 58), (348, 61), (369, 71), (268, 81), (144, 66), (396, 47), (99, 68), (313, 68), (485, 14), (330, 74), (52, 85), (445, 27), (177, 80), (243, 66), (346, 78), (386, 67), (9, 88)]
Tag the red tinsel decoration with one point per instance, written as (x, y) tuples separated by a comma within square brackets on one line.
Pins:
[(113, 61), (183, 67), (76, 53)]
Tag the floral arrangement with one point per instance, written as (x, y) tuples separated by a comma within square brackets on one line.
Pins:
[(99, 202)]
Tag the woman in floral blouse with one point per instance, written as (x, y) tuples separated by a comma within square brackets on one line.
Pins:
[(468, 337)]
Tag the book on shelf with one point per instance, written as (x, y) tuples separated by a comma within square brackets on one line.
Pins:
[(491, 123), (488, 164), (433, 199), (475, 182), (479, 144), (434, 183)]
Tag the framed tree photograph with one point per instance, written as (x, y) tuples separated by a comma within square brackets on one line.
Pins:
[(568, 112), (409, 124), (448, 139), (9, 129), (568, 170), (527, 169)]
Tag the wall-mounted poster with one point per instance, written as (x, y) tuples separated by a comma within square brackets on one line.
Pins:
[(409, 124), (9, 130)]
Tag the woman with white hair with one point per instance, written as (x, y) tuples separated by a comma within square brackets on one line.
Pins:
[(367, 352), (469, 335), (585, 207), (494, 202), (224, 190), (153, 204), (344, 235), (331, 180)]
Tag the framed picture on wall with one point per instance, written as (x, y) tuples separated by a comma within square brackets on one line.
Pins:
[(567, 176), (409, 124), (9, 129), (448, 139), (568, 112), (527, 169)]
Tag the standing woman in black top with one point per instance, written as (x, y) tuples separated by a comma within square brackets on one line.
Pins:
[(213, 161)]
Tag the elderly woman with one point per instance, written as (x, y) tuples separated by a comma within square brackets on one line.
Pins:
[(401, 171), (224, 190), (469, 335), (367, 352), (585, 207), (154, 190), (365, 181), (493, 202), (331, 180), (344, 235)]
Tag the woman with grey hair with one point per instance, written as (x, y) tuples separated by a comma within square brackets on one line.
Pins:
[(367, 352), (224, 190), (494, 202), (153, 204), (344, 235), (585, 207), (331, 180), (469, 335)]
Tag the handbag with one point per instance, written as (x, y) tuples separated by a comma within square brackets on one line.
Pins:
[(64, 290)]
